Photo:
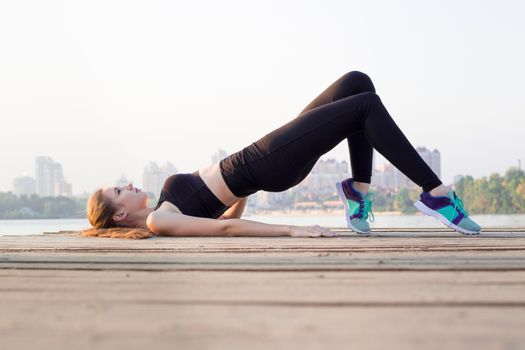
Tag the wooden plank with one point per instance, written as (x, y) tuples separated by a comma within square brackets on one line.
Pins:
[(201, 310), (392, 242), (399, 289), (407, 261)]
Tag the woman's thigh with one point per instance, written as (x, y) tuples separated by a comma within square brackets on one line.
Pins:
[(285, 156)]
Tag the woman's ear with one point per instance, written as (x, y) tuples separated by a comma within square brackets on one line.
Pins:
[(120, 215)]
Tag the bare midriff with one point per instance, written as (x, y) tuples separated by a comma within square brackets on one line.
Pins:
[(212, 177)]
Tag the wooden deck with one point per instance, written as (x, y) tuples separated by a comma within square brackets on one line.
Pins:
[(396, 289)]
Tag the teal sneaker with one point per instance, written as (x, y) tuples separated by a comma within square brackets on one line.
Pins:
[(358, 208), (449, 210)]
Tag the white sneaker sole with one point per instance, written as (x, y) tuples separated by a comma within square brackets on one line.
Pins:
[(430, 212), (341, 194)]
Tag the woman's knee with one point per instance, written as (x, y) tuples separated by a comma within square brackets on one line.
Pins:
[(368, 100), (360, 79), (370, 97)]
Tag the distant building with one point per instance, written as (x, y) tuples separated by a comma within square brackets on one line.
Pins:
[(263, 200), (386, 176), (317, 187), (24, 185), (49, 178), (320, 182), (218, 156), (153, 177), (432, 158)]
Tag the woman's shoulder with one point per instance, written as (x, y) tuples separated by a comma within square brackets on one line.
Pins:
[(168, 206)]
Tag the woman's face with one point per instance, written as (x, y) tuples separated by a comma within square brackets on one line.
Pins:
[(128, 197)]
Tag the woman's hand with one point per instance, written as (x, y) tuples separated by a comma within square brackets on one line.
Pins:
[(311, 231)]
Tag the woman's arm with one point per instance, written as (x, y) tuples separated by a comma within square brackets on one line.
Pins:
[(235, 211), (168, 223)]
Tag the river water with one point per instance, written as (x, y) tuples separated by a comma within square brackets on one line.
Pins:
[(34, 227)]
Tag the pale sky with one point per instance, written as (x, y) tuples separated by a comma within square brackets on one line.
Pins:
[(104, 87)]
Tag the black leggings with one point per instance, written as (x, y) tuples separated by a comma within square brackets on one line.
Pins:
[(347, 109)]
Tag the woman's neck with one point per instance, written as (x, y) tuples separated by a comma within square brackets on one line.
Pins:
[(139, 218)]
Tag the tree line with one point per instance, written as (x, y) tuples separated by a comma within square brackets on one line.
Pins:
[(36, 207), (495, 194)]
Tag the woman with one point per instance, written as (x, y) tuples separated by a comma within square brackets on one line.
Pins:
[(348, 109)]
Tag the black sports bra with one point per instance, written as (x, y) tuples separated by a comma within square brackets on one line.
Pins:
[(191, 195)]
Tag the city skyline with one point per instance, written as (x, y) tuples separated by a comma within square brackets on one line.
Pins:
[(49, 179), (23, 178), (105, 92), (137, 174)]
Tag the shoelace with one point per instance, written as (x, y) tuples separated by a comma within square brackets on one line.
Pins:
[(458, 203), (367, 208)]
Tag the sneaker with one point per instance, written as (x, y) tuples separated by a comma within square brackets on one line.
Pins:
[(449, 210), (358, 208)]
